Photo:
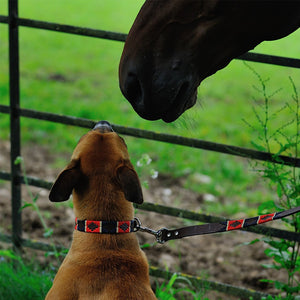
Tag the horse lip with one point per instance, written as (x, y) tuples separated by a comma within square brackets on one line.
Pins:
[(183, 100), (143, 113), (176, 108), (171, 114)]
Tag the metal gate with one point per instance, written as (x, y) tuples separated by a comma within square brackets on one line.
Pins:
[(16, 112)]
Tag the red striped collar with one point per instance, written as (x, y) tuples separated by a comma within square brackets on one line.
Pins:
[(108, 227)]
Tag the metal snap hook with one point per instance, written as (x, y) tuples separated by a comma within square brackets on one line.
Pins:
[(160, 235)]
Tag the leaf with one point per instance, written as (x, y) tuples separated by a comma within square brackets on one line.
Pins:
[(283, 148), (270, 266), (171, 282), (282, 245), (267, 207), (145, 184), (251, 243), (258, 147), (147, 245), (48, 232), (280, 285), (35, 198), (26, 205), (49, 253), (9, 254), (269, 297), (18, 160), (266, 280), (279, 190), (296, 191)]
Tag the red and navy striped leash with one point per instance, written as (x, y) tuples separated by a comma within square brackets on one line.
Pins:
[(163, 235)]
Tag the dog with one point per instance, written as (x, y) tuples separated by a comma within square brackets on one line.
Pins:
[(105, 260)]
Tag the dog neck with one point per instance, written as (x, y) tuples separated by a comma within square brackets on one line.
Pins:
[(99, 242), (106, 227), (110, 206)]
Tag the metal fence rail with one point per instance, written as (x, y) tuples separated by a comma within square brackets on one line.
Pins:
[(175, 212), (16, 112), (162, 137), (121, 37)]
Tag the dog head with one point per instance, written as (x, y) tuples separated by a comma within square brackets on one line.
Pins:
[(99, 164)]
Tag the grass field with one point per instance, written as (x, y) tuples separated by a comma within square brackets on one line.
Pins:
[(75, 75), (78, 76)]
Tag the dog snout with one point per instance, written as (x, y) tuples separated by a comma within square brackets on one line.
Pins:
[(103, 127)]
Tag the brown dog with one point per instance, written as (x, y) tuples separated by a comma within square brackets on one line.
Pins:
[(100, 265)]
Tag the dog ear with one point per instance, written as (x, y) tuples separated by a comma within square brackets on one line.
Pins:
[(65, 182), (130, 184)]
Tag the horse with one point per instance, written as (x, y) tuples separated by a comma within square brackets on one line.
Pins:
[(173, 45)]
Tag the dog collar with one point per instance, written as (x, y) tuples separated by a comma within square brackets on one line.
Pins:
[(108, 227)]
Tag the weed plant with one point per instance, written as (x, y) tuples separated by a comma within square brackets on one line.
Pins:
[(22, 281), (178, 287), (34, 206), (28, 281), (285, 180)]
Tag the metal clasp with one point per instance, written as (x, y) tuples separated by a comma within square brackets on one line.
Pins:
[(159, 234)]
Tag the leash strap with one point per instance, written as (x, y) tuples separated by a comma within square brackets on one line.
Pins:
[(108, 227), (163, 235)]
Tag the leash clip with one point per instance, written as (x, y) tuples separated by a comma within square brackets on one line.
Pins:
[(159, 234)]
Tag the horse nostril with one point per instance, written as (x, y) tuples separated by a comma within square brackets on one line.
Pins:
[(133, 90)]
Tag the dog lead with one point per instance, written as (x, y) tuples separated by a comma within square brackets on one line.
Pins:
[(163, 235)]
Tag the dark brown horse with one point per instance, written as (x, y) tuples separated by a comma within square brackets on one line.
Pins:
[(174, 44)]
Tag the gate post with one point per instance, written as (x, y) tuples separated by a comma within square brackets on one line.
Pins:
[(15, 145)]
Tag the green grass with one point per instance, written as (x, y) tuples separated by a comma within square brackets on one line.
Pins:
[(22, 281), (89, 89)]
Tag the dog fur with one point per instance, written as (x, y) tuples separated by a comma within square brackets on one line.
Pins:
[(104, 182)]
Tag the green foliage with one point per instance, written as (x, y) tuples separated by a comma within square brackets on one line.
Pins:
[(22, 281), (28, 281), (34, 206), (284, 180), (178, 287)]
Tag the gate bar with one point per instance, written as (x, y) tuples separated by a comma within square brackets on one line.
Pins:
[(270, 59), (121, 37), (162, 137), (15, 147), (176, 212)]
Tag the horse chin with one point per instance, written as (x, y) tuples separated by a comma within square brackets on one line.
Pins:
[(177, 110), (171, 116), (184, 100)]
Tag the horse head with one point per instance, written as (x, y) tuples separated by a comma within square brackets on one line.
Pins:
[(174, 45)]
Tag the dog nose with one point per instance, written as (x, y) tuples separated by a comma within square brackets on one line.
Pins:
[(103, 127)]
